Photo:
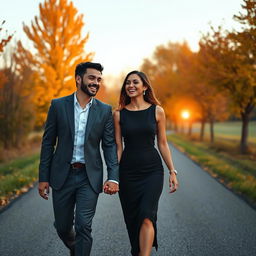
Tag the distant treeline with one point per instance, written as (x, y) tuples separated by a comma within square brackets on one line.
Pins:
[(216, 83)]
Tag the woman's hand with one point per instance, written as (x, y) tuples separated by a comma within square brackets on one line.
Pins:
[(173, 182)]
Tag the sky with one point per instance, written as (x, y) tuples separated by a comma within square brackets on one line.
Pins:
[(124, 32)]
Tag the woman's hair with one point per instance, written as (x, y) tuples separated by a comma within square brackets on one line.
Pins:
[(149, 93)]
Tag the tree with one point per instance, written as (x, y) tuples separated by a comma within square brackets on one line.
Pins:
[(180, 81), (231, 61), (3, 43), (167, 72), (245, 46), (212, 102), (57, 38), (167, 69), (16, 107)]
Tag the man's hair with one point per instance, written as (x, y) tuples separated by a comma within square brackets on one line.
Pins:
[(82, 67)]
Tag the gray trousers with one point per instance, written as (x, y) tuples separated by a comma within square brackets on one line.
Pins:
[(74, 207)]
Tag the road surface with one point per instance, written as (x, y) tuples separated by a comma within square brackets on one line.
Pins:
[(201, 218)]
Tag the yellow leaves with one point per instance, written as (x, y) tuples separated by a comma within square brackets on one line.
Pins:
[(57, 37)]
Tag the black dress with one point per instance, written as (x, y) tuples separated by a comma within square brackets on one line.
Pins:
[(141, 172)]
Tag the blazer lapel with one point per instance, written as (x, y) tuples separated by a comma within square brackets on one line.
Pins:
[(91, 119), (70, 113)]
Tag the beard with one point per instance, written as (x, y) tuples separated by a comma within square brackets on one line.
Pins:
[(85, 88)]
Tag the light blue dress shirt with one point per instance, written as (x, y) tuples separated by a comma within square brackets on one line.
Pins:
[(81, 117)]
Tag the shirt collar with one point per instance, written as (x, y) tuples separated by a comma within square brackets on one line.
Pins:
[(76, 103)]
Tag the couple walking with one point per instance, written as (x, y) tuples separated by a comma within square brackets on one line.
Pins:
[(71, 163)]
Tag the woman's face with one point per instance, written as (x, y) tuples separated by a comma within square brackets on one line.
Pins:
[(134, 86)]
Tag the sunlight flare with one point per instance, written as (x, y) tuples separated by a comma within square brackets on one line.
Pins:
[(185, 114)]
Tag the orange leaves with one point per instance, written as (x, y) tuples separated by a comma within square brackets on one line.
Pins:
[(230, 58), (221, 74), (57, 37), (4, 200), (249, 18), (167, 70), (3, 79), (5, 41)]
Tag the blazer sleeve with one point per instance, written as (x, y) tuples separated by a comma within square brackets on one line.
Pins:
[(48, 144), (109, 148)]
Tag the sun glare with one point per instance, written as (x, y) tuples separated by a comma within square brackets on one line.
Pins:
[(185, 114)]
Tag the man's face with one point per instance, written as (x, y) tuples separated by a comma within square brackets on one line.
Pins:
[(90, 83)]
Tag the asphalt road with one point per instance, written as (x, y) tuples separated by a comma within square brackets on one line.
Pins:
[(201, 218)]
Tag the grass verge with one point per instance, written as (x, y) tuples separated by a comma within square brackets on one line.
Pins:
[(234, 171), (17, 176)]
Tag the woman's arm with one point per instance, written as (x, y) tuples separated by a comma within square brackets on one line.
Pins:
[(164, 148), (118, 135)]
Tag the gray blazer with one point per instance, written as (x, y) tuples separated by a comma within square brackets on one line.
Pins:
[(58, 143)]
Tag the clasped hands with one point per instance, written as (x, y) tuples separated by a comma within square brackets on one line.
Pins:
[(110, 187)]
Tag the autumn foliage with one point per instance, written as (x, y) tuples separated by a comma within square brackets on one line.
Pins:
[(56, 35), (30, 79), (16, 107), (4, 40), (218, 80), (230, 58)]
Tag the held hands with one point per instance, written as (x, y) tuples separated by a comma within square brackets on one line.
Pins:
[(173, 182), (110, 187), (44, 190)]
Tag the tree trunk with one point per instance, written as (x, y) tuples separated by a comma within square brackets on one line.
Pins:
[(190, 128), (182, 127), (245, 115), (202, 130), (212, 130), (175, 126), (244, 135)]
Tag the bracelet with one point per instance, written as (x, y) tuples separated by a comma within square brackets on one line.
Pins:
[(171, 171)]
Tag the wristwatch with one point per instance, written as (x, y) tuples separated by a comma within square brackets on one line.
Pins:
[(173, 171)]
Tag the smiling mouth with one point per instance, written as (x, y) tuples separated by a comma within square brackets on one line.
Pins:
[(92, 86), (131, 91), (93, 89)]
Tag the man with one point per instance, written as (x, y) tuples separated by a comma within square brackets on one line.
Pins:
[(70, 161)]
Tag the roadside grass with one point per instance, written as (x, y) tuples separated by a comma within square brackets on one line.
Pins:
[(17, 176), (229, 130), (222, 161)]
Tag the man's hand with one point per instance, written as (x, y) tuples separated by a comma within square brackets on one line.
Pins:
[(110, 187), (44, 190)]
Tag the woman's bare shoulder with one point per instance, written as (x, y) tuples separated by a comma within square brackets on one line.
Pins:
[(116, 114), (159, 110)]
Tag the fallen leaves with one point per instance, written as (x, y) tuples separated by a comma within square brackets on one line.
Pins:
[(5, 200)]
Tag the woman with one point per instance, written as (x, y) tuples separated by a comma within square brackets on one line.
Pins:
[(138, 119)]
